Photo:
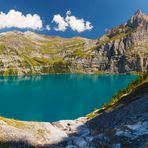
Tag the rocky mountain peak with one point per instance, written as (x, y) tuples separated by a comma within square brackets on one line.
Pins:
[(139, 19), (139, 12)]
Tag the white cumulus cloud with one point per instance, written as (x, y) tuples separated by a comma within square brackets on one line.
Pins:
[(16, 19), (48, 27), (76, 24), (61, 23)]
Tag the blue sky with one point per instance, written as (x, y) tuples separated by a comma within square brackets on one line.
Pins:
[(100, 14)]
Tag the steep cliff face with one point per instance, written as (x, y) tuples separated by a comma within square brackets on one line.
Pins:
[(123, 49)]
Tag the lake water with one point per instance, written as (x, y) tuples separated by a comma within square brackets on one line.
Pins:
[(56, 97)]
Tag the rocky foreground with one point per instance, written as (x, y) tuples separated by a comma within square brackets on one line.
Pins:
[(123, 49), (125, 124)]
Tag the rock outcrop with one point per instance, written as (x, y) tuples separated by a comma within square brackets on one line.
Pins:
[(123, 49), (124, 125), (139, 19)]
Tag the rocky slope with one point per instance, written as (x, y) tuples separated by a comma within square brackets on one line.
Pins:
[(123, 49), (123, 124), (31, 53)]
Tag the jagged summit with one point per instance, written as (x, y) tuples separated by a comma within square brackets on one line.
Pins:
[(139, 11), (140, 14), (139, 19)]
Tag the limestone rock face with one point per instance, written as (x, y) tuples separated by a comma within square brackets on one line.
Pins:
[(126, 54)]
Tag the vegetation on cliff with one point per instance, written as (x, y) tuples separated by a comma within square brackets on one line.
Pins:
[(120, 95)]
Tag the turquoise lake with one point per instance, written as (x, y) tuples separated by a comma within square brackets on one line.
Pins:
[(56, 97)]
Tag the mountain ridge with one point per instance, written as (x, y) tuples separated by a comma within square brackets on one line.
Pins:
[(122, 49)]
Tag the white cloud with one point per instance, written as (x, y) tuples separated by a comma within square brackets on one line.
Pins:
[(16, 19), (61, 23), (89, 26), (48, 27), (76, 24)]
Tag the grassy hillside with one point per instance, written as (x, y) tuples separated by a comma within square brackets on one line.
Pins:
[(115, 101), (30, 53)]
